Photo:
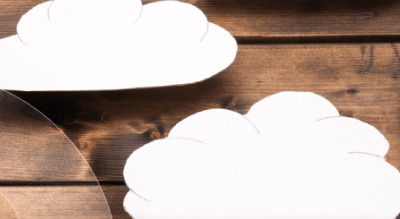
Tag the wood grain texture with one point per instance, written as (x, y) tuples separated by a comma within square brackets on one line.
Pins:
[(68, 205), (276, 20), (362, 81), (115, 196), (33, 149), (6, 210), (57, 202)]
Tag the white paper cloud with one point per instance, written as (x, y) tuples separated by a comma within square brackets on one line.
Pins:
[(291, 156), (113, 44)]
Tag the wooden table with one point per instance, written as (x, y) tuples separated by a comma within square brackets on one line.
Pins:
[(346, 51)]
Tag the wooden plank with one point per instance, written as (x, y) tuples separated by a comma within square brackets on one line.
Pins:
[(362, 80), (115, 196), (61, 202), (276, 20), (6, 210), (33, 149)]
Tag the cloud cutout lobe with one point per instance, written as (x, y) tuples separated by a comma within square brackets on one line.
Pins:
[(291, 156), (103, 44)]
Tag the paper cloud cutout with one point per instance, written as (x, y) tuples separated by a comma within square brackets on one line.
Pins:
[(291, 156), (103, 44)]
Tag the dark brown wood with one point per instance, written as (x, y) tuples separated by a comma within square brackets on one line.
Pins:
[(33, 149), (362, 80), (277, 20), (115, 195)]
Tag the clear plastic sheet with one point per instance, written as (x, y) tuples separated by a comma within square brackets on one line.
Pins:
[(42, 173), (6, 210)]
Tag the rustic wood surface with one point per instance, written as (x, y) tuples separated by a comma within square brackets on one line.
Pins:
[(360, 80), (347, 51), (276, 20), (61, 202), (6, 210), (33, 149)]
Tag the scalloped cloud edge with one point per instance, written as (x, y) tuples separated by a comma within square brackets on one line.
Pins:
[(106, 45), (292, 155)]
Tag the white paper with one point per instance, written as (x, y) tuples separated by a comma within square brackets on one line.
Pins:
[(292, 156), (113, 44)]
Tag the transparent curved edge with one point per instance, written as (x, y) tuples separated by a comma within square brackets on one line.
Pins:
[(6, 210), (42, 173)]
